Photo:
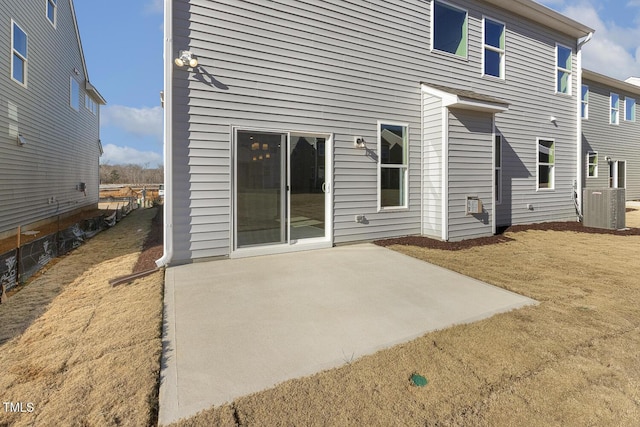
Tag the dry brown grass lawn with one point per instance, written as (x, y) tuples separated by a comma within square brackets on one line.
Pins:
[(571, 360), (81, 352)]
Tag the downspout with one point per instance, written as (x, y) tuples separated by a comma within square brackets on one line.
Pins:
[(579, 162), (168, 135)]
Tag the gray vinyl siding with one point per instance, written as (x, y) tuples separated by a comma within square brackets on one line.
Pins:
[(61, 147), (620, 142), (338, 67), (470, 173), (432, 168)]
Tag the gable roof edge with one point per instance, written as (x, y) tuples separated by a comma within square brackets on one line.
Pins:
[(88, 86)]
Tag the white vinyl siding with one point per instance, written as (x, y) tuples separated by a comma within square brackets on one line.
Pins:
[(283, 68), (470, 172), (74, 94), (615, 142), (62, 147)]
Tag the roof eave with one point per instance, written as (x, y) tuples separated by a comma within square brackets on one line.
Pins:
[(609, 81), (94, 93), (544, 15)]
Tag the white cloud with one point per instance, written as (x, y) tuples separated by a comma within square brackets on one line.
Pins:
[(116, 155), (137, 121), (154, 6), (613, 51)]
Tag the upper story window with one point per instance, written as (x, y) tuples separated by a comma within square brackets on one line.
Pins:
[(546, 163), (393, 163), (584, 111), (19, 44), (563, 68), (450, 29), (74, 94), (629, 109), (51, 11), (90, 104), (494, 48), (614, 117)]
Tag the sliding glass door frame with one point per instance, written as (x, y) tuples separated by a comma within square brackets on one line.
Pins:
[(287, 244)]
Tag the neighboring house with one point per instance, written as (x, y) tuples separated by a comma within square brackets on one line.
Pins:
[(49, 115), (309, 124), (611, 133)]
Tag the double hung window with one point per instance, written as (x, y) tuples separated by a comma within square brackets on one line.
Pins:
[(546, 163), (494, 48), (393, 164), (19, 54)]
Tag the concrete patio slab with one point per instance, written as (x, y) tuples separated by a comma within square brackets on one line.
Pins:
[(238, 326)]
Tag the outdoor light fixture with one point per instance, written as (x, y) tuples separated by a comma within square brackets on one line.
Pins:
[(21, 140), (359, 142), (186, 58)]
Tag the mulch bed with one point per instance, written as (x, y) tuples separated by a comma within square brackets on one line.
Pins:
[(152, 249), (426, 242)]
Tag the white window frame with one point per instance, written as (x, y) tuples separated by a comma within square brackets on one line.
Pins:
[(498, 167), (594, 164), (584, 100), (75, 105), (54, 5), (404, 166), (501, 51), (627, 109), (614, 109), (569, 71), (90, 104), (614, 169), (432, 31), (14, 52), (552, 166)]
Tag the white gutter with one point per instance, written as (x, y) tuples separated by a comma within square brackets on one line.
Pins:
[(579, 160), (168, 136)]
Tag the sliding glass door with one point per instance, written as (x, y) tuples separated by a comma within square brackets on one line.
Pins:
[(260, 188), (281, 190)]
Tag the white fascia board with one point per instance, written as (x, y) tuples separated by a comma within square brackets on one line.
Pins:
[(545, 16), (452, 100)]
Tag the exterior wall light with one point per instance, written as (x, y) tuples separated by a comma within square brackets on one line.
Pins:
[(186, 58), (21, 140), (359, 142)]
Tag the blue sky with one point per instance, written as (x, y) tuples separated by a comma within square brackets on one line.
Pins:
[(123, 42)]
